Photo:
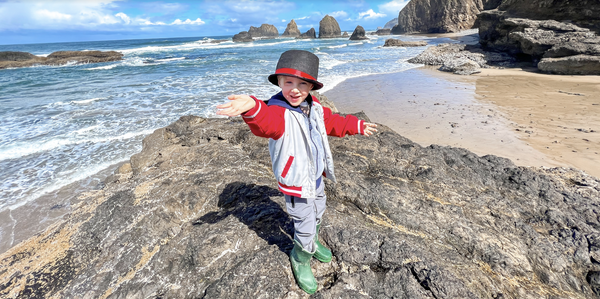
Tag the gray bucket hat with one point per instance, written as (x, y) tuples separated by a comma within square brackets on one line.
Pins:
[(300, 64)]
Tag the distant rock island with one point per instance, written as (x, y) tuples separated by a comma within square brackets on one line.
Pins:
[(9, 59)]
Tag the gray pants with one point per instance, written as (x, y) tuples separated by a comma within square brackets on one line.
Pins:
[(306, 214)]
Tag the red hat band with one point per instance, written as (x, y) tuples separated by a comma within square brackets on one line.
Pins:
[(293, 72)]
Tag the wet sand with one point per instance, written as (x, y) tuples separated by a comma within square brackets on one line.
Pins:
[(532, 119)]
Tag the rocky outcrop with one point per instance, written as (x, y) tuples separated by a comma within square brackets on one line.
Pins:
[(571, 65), (359, 33), (462, 59), (439, 16), (291, 30), (310, 33), (265, 30), (329, 28), (23, 59), (392, 42), (549, 41), (583, 13), (383, 32), (345, 34), (242, 37), (197, 213), (16, 56)]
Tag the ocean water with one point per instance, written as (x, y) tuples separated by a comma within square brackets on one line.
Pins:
[(62, 124)]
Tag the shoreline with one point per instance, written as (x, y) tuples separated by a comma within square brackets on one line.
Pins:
[(479, 113)]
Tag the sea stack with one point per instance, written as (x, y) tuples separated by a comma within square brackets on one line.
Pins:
[(242, 37), (265, 30), (308, 34), (291, 30), (439, 16), (358, 34), (329, 28)]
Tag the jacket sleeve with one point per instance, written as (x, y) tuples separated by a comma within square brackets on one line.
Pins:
[(340, 126), (265, 121)]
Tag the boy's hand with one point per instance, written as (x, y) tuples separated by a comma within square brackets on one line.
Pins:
[(369, 128), (239, 104)]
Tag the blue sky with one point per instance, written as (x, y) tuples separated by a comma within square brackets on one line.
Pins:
[(30, 21)]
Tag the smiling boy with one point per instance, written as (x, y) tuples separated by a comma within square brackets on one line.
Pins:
[(297, 126)]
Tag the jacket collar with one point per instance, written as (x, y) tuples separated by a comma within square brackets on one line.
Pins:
[(279, 100)]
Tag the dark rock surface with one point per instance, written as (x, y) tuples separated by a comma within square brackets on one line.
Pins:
[(462, 59), (197, 214), (345, 34), (291, 30), (310, 33), (265, 30), (584, 13), (242, 37), (359, 33), (329, 28), (392, 42), (439, 16), (537, 40), (16, 56), (23, 59)]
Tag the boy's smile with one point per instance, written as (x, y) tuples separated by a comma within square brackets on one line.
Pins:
[(294, 90)]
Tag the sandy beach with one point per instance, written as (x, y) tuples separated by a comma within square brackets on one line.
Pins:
[(533, 119)]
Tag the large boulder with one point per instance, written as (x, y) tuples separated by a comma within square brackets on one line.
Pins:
[(198, 214), (329, 28), (359, 34), (265, 30), (291, 30), (242, 37), (310, 33), (439, 16), (571, 65)]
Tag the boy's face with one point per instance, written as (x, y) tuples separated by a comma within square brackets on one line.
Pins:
[(294, 90)]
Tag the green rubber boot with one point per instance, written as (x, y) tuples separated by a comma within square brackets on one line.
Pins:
[(300, 260), (323, 254)]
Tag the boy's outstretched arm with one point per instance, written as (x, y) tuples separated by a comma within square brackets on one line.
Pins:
[(238, 105)]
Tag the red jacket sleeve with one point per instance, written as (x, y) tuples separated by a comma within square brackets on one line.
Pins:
[(265, 121), (339, 126)]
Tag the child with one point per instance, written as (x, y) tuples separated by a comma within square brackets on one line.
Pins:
[(297, 126)]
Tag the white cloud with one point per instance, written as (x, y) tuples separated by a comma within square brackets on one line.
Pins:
[(52, 16), (370, 14), (124, 17), (188, 22), (393, 7), (339, 14)]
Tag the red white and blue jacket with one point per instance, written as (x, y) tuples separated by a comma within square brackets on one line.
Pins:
[(291, 155)]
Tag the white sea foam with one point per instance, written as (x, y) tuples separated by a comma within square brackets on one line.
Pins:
[(83, 102), (105, 67), (22, 149), (170, 59), (337, 47), (54, 185)]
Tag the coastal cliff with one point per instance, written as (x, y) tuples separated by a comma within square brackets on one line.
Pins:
[(197, 214), (440, 16)]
